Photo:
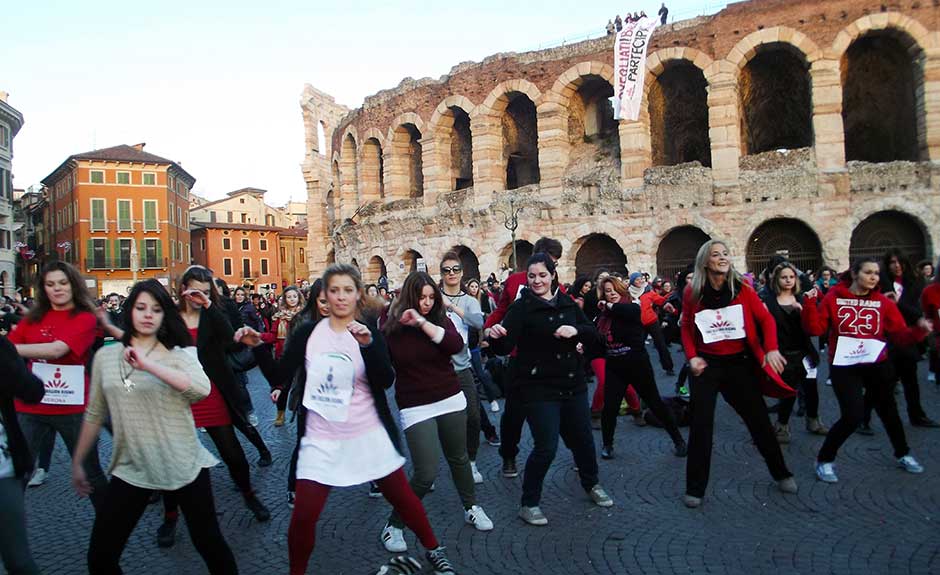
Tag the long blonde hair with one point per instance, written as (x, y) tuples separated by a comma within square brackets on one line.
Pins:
[(734, 279)]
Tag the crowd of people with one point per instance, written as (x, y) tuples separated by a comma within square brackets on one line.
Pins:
[(616, 25), (154, 368)]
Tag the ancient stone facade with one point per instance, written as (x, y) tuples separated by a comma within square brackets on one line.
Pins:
[(783, 126)]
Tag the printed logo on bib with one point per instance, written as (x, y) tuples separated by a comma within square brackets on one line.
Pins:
[(65, 384), (722, 324), (331, 379), (854, 351)]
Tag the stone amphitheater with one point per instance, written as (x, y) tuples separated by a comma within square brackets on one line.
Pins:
[(800, 127)]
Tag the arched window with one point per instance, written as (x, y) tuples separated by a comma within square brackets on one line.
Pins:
[(524, 251), (881, 231), (373, 181), (406, 147), (411, 260), (787, 237), (520, 141), (461, 150), (321, 139), (376, 269), (469, 262), (678, 249), (776, 102), (678, 106), (599, 252)]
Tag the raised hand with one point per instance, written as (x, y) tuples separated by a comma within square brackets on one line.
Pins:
[(776, 361), (136, 359), (566, 332), (197, 297), (497, 331), (410, 317), (697, 366), (361, 333), (248, 336)]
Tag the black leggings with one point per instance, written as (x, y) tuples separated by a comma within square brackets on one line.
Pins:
[(122, 508), (904, 363), (633, 369), (794, 375), (655, 330), (230, 450)]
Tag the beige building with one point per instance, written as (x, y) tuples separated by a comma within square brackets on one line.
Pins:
[(247, 206), (805, 128)]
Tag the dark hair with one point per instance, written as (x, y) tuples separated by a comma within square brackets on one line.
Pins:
[(450, 255), (199, 274), (222, 287), (548, 246), (80, 296), (241, 289), (857, 267), (908, 275), (311, 310), (172, 332), (546, 260), (410, 296), (107, 297), (579, 284)]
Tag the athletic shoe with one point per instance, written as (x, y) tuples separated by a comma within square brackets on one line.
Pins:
[(279, 420), (254, 505), (865, 429), (477, 517), (681, 448), (607, 452), (600, 497), (815, 426), (374, 491), (910, 464), (253, 420), (787, 485), (400, 566), (533, 515), (931, 377), (509, 468), (265, 459), (684, 392), (494, 406), (826, 472), (38, 478), (924, 422), (166, 533), (203, 430), (639, 420), (477, 476), (691, 501), (393, 539), (494, 440), (439, 562), (290, 499), (782, 432), (671, 372), (624, 408), (828, 381)]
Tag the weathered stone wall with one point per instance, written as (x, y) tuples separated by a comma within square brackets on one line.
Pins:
[(583, 191)]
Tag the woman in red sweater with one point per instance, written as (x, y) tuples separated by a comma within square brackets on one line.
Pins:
[(723, 323), (860, 319), (421, 340)]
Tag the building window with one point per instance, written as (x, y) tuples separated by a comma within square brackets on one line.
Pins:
[(212, 217), (152, 255), (263, 244), (189, 252), (264, 267), (246, 245), (97, 256), (179, 248), (4, 137), (241, 200), (283, 254), (227, 266), (226, 244), (301, 255), (124, 216), (124, 254), (97, 177), (202, 244), (150, 216), (185, 220), (179, 215), (246, 267), (98, 221), (124, 178), (174, 253), (230, 217), (244, 218), (150, 179), (170, 213)]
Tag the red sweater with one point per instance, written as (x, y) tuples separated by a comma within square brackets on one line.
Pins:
[(930, 303), (648, 315), (424, 373), (872, 316)]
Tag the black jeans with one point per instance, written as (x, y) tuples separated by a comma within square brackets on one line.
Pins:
[(794, 375), (655, 330), (569, 418), (14, 543), (490, 390), (734, 377), (123, 507), (231, 453), (513, 418), (850, 384), (904, 364), (633, 369), (485, 425)]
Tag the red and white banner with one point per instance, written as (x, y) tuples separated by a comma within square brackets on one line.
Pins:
[(630, 67)]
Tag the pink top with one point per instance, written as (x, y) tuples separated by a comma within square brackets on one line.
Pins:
[(362, 416)]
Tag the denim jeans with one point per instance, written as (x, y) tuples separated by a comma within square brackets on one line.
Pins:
[(490, 389), (14, 545), (569, 418)]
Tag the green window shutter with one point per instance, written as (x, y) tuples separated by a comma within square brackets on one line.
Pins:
[(150, 216), (124, 215), (117, 254), (90, 254), (107, 250), (159, 253), (142, 254)]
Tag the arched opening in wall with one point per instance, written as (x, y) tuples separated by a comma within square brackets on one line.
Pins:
[(354, 263), (373, 182), (376, 270), (330, 208), (349, 174), (335, 183), (524, 249), (678, 249), (678, 107), (775, 100), (788, 237), (882, 231), (592, 130), (321, 138), (468, 261), (880, 109), (331, 257), (520, 141), (461, 150), (599, 252), (411, 260), (406, 142)]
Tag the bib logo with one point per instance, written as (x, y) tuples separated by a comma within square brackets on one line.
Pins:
[(859, 351), (56, 382), (328, 387), (720, 324)]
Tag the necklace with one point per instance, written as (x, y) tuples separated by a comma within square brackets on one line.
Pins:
[(126, 379)]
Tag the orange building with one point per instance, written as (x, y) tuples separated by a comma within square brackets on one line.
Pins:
[(240, 254), (110, 207), (293, 256)]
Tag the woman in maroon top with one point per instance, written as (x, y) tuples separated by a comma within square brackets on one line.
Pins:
[(723, 323), (433, 409)]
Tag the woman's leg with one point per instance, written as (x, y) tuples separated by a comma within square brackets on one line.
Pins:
[(396, 490), (450, 431), (472, 417), (425, 448), (615, 385), (14, 543), (198, 507), (597, 402), (848, 385), (302, 533), (69, 427), (793, 375), (575, 429), (704, 390), (120, 510), (640, 370), (811, 393), (544, 418), (878, 380), (230, 450)]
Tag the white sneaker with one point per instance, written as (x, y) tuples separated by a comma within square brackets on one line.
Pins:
[(828, 381), (477, 476), (253, 420), (38, 478), (477, 517), (910, 464), (393, 539), (826, 472), (931, 377), (494, 405)]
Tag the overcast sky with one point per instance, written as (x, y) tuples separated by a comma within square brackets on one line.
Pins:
[(216, 86)]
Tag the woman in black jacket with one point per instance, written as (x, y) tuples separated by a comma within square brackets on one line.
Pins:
[(16, 462), (545, 327)]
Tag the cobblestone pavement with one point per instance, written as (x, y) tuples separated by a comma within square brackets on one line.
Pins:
[(878, 519)]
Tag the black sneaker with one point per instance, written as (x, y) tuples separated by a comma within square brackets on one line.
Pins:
[(290, 499), (265, 459), (509, 468), (374, 491), (166, 533), (924, 422), (439, 562), (401, 565), (671, 372), (681, 448), (493, 440), (254, 505), (607, 452), (865, 429)]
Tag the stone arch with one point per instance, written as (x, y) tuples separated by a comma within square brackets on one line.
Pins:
[(453, 136), (405, 176), (330, 207), (520, 138), (321, 138), (677, 249), (524, 249), (331, 257), (884, 120), (597, 251), (468, 260), (410, 259), (371, 172), (880, 22), (375, 270), (747, 47), (349, 174), (885, 229), (789, 237), (677, 103), (498, 98)]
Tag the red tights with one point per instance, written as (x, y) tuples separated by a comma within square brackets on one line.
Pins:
[(311, 498), (597, 402)]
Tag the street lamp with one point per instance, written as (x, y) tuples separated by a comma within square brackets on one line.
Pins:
[(511, 222)]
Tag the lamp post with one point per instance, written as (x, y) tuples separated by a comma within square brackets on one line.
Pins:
[(511, 223)]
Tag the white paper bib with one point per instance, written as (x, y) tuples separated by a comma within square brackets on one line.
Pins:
[(460, 325), (331, 378), (721, 324), (65, 384), (854, 351)]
